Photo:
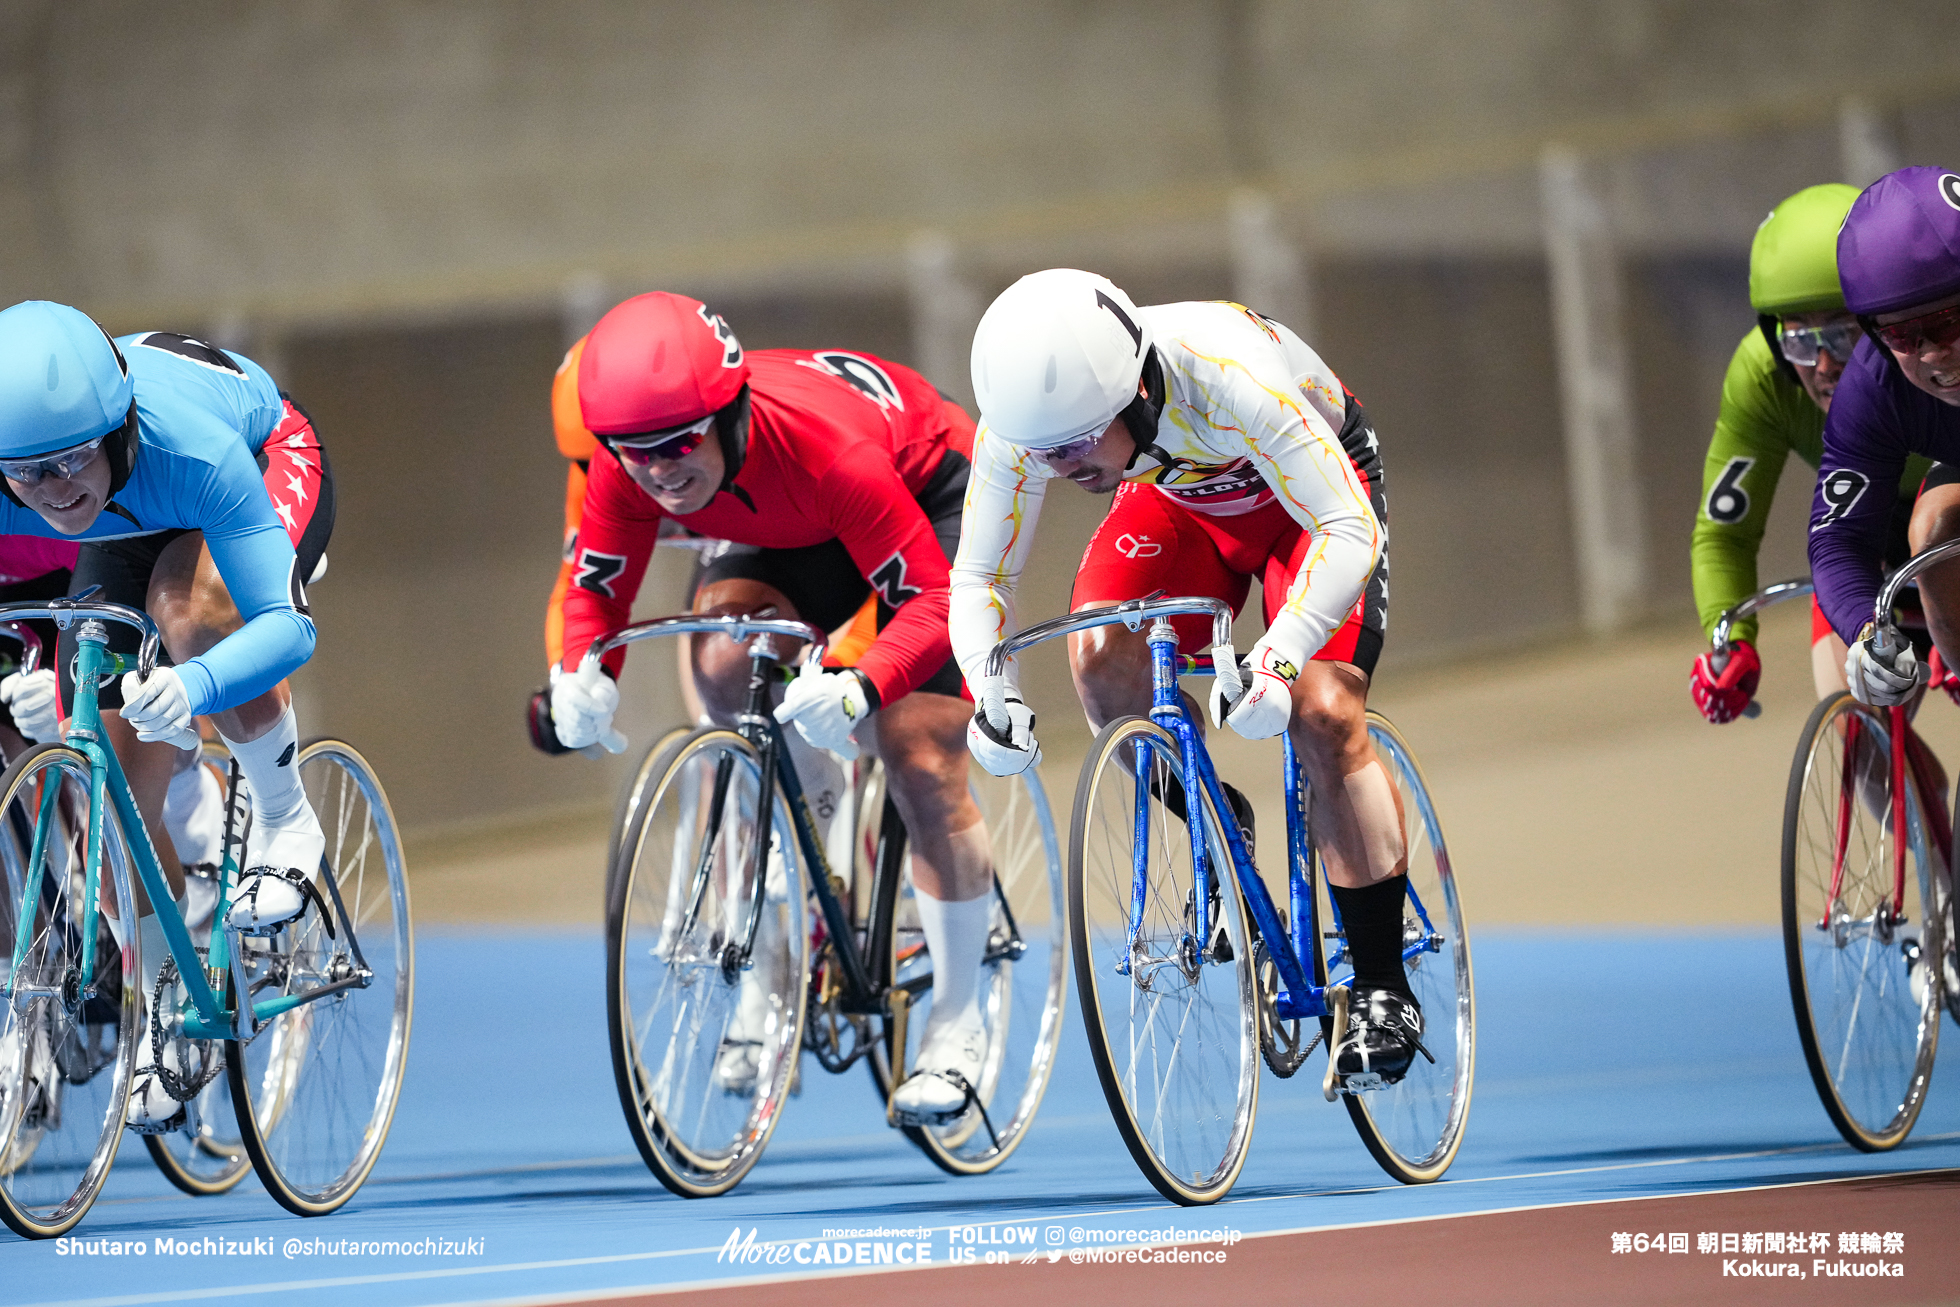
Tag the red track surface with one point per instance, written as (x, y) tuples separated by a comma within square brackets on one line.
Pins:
[(1553, 1255)]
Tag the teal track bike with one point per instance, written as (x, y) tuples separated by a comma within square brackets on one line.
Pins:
[(302, 1036)]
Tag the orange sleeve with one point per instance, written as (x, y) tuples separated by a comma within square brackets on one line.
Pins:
[(574, 441), (554, 613)]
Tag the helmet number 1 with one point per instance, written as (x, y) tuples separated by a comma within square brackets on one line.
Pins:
[(1129, 325)]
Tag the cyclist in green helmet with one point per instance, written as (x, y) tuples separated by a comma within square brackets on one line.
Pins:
[(1774, 399)]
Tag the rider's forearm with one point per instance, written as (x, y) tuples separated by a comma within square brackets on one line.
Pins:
[(1339, 561), (910, 649), (1723, 564), (249, 661)]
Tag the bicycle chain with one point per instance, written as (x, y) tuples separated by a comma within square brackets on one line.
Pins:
[(208, 1066)]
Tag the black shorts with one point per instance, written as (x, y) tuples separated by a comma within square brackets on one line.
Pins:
[(122, 568), (823, 580)]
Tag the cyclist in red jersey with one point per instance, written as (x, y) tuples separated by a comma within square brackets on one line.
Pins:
[(838, 475)]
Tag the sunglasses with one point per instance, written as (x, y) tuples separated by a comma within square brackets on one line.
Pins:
[(664, 446), (1070, 451), (1802, 345), (1938, 330), (61, 464)]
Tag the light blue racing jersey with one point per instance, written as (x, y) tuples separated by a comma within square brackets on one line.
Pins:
[(203, 415)]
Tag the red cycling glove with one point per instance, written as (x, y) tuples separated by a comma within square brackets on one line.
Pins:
[(1723, 695)]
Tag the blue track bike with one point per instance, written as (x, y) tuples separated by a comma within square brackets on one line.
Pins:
[(1187, 984)]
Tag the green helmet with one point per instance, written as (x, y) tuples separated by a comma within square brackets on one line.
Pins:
[(1793, 260)]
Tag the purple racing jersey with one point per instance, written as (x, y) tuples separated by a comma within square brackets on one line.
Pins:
[(1877, 419)]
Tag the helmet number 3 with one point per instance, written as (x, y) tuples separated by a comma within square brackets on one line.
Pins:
[(1728, 502)]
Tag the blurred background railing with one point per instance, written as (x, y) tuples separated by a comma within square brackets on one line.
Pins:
[(1518, 231)]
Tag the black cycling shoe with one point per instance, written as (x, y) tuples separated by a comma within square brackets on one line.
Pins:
[(1383, 1036)]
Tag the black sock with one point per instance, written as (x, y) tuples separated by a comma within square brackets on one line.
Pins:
[(1372, 918), (1171, 794)]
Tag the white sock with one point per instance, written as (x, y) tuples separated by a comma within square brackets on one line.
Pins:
[(268, 764), (155, 949), (194, 812), (956, 937), (823, 785)]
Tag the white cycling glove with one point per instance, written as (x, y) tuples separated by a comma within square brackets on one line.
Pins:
[(159, 708), (1882, 680), (827, 707), (582, 707), (33, 700), (1266, 704), (1001, 734)]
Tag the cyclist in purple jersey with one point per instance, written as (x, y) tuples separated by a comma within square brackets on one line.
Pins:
[(1899, 262)]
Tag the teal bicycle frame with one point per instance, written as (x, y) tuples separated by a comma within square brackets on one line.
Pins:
[(208, 1016)]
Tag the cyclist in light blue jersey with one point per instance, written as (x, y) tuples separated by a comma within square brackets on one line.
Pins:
[(199, 493)]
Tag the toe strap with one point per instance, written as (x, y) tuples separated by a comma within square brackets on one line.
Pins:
[(307, 889)]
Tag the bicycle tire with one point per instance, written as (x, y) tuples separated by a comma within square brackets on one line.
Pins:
[(1024, 994), (1413, 1128), (61, 1117), (1868, 1041), (1185, 1108), (315, 1089), (698, 1123)]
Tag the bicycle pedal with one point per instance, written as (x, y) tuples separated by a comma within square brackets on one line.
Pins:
[(1361, 1082), (170, 1127)]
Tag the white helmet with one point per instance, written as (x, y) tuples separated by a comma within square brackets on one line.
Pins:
[(1057, 357)]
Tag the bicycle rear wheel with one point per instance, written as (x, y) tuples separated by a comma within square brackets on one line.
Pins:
[(703, 1050), (66, 1057), (1863, 968), (1023, 980), (1414, 1127), (315, 1089), (206, 1156), (1172, 1022)]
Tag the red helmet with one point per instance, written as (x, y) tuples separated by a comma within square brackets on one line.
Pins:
[(658, 361)]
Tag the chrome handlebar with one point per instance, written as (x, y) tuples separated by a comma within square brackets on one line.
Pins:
[(1885, 637), (1132, 613), (734, 626), (30, 644), (1755, 603), (64, 613)]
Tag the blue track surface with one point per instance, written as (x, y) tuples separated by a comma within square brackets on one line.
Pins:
[(1609, 1066)]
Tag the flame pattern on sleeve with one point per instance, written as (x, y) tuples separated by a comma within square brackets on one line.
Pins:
[(1004, 491), (1252, 414)]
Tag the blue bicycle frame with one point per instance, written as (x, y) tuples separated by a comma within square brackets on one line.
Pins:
[(1298, 997)]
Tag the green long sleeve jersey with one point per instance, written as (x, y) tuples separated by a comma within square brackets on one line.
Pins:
[(1765, 417)]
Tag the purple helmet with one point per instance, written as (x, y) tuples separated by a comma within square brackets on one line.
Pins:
[(1900, 244)]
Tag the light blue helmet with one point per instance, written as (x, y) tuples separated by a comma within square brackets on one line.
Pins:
[(62, 380)]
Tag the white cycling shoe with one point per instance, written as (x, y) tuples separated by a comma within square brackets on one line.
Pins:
[(739, 1059), (275, 889), (946, 1076), (151, 1108)]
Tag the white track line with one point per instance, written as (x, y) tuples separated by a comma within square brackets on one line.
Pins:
[(396, 1277)]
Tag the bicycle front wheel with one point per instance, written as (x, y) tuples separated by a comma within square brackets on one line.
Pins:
[(1171, 1017), (1863, 958), (703, 1040), (67, 1039), (1023, 978), (1413, 1127), (315, 1089)]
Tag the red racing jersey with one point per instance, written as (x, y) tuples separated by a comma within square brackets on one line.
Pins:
[(839, 445)]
